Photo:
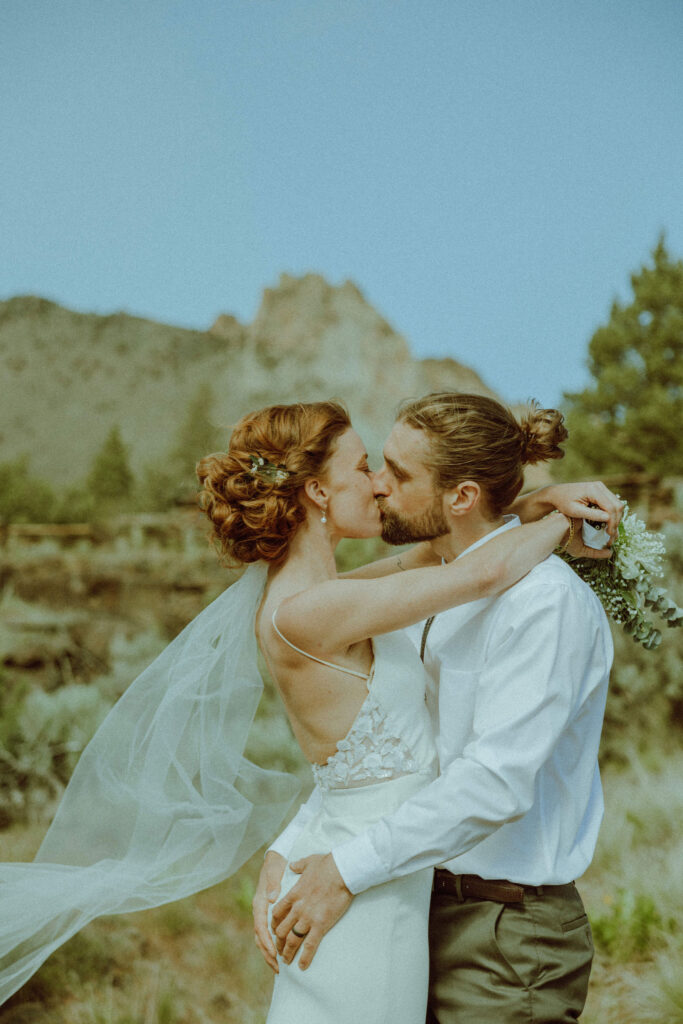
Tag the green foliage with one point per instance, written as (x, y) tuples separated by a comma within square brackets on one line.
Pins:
[(630, 419), (110, 480), (630, 927), (41, 738), (23, 498)]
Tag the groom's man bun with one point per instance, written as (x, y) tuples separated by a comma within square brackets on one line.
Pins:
[(472, 437), (251, 493), (543, 431)]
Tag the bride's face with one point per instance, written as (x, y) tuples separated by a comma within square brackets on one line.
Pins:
[(348, 482)]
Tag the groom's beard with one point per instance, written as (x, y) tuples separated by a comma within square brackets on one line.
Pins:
[(399, 529)]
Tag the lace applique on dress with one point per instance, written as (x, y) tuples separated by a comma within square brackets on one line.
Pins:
[(368, 751)]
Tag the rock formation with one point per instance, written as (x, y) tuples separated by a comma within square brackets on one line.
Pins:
[(68, 377)]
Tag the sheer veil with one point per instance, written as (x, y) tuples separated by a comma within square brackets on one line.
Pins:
[(163, 802)]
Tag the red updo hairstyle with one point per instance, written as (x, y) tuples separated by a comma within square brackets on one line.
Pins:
[(255, 515)]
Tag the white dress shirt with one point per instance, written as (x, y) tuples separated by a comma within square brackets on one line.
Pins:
[(517, 694)]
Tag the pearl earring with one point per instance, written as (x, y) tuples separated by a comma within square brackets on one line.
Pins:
[(323, 518)]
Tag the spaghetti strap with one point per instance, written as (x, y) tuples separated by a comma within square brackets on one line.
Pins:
[(330, 664)]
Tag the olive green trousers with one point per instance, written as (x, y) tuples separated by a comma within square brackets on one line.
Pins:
[(509, 963)]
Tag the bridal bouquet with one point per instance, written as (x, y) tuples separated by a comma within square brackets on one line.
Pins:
[(624, 582)]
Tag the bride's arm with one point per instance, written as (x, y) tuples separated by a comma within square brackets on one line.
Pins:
[(418, 557), (333, 615), (579, 501)]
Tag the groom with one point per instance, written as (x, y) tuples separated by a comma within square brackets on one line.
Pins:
[(518, 688)]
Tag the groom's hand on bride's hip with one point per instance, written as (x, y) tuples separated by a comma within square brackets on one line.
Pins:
[(311, 908)]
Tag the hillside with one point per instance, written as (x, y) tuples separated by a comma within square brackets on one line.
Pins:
[(68, 377)]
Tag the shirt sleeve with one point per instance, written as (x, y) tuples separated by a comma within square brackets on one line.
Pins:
[(546, 653), (285, 841)]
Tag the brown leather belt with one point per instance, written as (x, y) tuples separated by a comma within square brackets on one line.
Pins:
[(465, 887)]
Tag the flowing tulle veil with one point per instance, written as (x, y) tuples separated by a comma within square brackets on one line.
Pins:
[(163, 802)]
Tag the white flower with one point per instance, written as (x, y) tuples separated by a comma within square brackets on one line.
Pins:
[(628, 567)]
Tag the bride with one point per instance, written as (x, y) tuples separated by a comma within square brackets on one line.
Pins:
[(163, 802)]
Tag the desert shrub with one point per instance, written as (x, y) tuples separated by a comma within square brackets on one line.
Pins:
[(635, 883), (129, 655), (634, 895), (658, 999), (96, 957), (631, 927), (41, 738)]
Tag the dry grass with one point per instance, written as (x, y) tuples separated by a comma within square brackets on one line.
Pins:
[(634, 895), (192, 962)]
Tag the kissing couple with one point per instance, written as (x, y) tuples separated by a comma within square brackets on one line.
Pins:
[(449, 700), (493, 780)]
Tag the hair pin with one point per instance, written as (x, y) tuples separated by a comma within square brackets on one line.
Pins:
[(266, 470)]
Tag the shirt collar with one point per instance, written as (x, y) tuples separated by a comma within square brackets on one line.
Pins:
[(509, 522)]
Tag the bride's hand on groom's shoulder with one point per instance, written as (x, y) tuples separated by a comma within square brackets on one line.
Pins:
[(593, 501), (267, 891), (585, 500), (310, 908)]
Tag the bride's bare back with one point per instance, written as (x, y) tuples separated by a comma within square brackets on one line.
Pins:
[(322, 702)]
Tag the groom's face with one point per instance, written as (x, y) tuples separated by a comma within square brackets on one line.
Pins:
[(410, 506)]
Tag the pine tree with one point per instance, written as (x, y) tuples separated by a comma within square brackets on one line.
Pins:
[(110, 479), (173, 478), (630, 419), (197, 435)]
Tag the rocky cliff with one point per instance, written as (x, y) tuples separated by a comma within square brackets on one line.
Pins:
[(67, 377)]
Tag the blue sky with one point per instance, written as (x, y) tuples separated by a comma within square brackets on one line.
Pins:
[(489, 173)]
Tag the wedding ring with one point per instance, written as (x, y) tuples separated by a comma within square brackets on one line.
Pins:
[(300, 935)]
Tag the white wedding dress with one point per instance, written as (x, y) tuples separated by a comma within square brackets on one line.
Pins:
[(373, 966)]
